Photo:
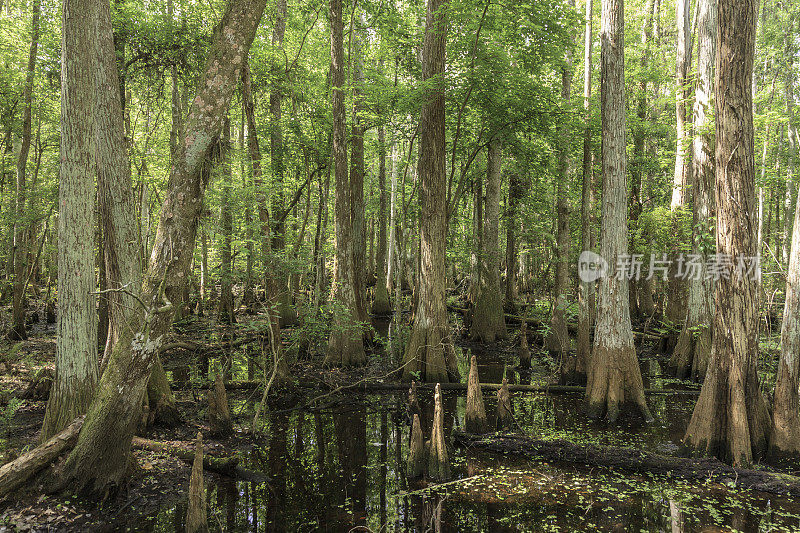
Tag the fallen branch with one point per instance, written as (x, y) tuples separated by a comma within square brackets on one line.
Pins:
[(15, 473), (227, 466), (634, 461)]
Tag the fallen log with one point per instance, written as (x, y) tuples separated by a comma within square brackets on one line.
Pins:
[(15, 473), (633, 461), (227, 466), (396, 386)]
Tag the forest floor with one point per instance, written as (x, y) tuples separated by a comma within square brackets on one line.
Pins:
[(161, 480)]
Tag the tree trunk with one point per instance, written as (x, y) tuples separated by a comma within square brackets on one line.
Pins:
[(17, 331), (430, 351), (614, 378), (577, 370), (226, 311), (288, 316), (488, 318), (360, 258), (785, 439), (477, 240), (680, 180), (558, 337), (101, 456), (346, 345), (381, 304), (730, 419), (270, 282), (121, 242), (76, 344), (691, 354), (677, 288), (515, 194)]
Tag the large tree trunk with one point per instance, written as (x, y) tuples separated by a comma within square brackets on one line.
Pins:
[(691, 354), (21, 232), (346, 344), (101, 456), (577, 370), (730, 419), (557, 340), (430, 350), (488, 318), (76, 348), (614, 378)]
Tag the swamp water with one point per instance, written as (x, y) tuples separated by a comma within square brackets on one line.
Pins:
[(342, 468)]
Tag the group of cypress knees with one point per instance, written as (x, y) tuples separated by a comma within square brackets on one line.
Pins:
[(430, 458)]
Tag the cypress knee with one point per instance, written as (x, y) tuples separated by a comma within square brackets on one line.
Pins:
[(505, 415), (196, 515), (476, 412), (438, 459), (219, 415), (416, 455), (524, 351)]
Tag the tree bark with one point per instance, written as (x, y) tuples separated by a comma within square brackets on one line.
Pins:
[(430, 351), (101, 456), (614, 378), (488, 318), (346, 345), (76, 344), (730, 419), (691, 354)]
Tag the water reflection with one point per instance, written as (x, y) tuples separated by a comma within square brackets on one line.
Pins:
[(343, 469)]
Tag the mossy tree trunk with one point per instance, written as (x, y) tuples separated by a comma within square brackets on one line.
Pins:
[(430, 350), (614, 378), (731, 420), (76, 344), (99, 462)]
